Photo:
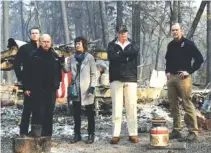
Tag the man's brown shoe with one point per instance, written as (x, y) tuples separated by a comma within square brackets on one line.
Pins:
[(134, 139), (114, 140)]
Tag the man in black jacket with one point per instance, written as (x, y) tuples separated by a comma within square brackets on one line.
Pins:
[(122, 55), (43, 76), (180, 53), (21, 60)]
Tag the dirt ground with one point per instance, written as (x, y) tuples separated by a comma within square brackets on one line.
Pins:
[(124, 146), (63, 132)]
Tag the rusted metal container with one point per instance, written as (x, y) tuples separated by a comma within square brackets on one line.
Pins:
[(159, 134)]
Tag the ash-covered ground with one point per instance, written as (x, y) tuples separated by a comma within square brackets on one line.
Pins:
[(63, 132)]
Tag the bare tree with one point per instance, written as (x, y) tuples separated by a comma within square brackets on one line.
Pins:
[(179, 12), (196, 20), (65, 22), (29, 19), (174, 12), (5, 23), (136, 22), (37, 14), (7, 75), (57, 27), (159, 43), (119, 12), (208, 42), (103, 23), (90, 10), (22, 21)]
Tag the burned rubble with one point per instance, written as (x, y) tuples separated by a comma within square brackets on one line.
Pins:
[(63, 123), (63, 127)]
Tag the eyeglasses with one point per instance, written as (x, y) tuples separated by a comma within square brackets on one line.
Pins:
[(35, 33)]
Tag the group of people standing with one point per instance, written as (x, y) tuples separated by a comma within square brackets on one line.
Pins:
[(39, 68)]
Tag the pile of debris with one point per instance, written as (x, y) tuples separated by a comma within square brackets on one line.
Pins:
[(63, 124), (202, 102)]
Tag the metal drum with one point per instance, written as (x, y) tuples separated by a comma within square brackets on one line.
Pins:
[(159, 134)]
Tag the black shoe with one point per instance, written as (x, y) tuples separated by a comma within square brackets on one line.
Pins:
[(91, 139), (175, 134), (77, 137), (191, 137), (36, 130)]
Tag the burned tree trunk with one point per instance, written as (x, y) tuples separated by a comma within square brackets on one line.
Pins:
[(196, 20), (136, 29), (119, 12), (7, 75), (65, 22), (175, 12), (5, 23), (22, 21), (158, 49), (103, 23), (37, 14), (136, 22), (179, 12), (90, 10), (208, 42)]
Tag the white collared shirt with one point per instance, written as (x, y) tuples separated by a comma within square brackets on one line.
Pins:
[(122, 45)]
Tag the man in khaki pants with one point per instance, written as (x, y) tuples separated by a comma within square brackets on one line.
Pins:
[(180, 53), (122, 55)]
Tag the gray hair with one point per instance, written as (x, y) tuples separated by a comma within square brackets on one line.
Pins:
[(44, 35), (179, 24)]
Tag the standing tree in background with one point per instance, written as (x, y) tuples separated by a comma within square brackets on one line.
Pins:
[(22, 21), (136, 22), (159, 43), (196, 20), (208, 42), (5, 23), (57, 27), (103, 23), (136, 27), (91, 14), (65, 22), (179, 12), (119, 18), (37, 14), (174, 12), (7, 75)]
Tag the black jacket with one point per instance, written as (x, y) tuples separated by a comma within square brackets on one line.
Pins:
[(123, 63), (43, 71), (180, 54), (21, 59)]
